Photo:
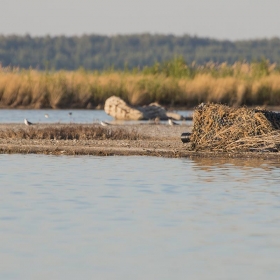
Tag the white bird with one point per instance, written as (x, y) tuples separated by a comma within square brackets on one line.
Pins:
[(170, 122), (27, 122), (46, 115), (104, 123)]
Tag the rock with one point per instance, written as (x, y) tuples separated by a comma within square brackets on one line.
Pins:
[(120, 110), (153, 111), (174, 116)]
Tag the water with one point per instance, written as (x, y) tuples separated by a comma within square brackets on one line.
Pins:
[(138, 218), (60, 116), (55, 116)]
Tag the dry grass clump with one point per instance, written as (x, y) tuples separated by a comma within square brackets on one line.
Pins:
[(69, 132), (222, 128)]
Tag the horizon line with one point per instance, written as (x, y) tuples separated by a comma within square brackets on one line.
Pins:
[(138, 34)]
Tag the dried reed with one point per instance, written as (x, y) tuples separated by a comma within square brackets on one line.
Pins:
[(222, 128), (238, 84)]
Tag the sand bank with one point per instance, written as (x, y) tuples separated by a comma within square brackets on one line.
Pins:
[(154, 140)]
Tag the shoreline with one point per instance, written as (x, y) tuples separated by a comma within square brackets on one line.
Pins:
[(101, 108), (156, 140), (123, 151)]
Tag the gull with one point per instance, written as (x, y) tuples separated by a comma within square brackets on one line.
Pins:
[(27, 122), (46, 115), (170, 122), (104, 123)]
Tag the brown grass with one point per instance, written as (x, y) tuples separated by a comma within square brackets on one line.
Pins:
[(222, 128), (260, 143), (235, 85), (70, 132)]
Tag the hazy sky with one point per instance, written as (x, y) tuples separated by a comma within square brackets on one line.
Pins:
[(221, 19)]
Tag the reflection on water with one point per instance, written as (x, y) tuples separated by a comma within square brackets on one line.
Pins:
[(237, 162), (233, 170), (138, 218)]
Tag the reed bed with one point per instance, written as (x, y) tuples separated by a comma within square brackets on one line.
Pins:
[(176, 84), (69, 132), (222, 128)]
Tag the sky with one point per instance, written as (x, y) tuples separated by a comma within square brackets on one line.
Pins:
[(219, 19)]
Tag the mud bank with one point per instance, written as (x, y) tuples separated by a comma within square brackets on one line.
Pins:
[(153, 140)]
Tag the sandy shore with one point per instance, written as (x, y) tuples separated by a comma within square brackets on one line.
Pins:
[(158, 140)]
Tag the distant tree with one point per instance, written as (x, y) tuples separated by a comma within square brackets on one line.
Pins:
[(95, 52)]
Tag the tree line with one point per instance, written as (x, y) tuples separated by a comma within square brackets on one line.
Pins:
[(96, 52)]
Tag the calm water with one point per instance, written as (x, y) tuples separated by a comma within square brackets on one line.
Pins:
[(61, 116), (138, 218)]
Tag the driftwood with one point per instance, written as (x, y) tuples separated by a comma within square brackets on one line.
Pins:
[(120, 110)]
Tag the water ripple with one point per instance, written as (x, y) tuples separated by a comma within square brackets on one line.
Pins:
[(138, 217)]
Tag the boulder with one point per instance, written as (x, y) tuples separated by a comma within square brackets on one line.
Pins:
[(120, 110)]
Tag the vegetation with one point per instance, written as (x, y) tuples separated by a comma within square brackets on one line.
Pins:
[(221, 128), (69, 132), (171, 83), (94, 52)]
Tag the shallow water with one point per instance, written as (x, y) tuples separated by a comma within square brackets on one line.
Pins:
[(138, 218), (60, 116), (54, 116)]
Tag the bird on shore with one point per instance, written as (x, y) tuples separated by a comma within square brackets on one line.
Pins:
[(27, 122), (171, 122), (104, 123)]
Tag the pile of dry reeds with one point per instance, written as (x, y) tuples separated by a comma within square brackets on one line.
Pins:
[(221, 128), (69, 132)]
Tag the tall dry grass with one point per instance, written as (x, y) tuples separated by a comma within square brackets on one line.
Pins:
[(238, 84)]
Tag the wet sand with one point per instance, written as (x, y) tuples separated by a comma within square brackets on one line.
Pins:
[(158, 140)]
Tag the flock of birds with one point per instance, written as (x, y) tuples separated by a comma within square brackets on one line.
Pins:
[(103, 123)]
